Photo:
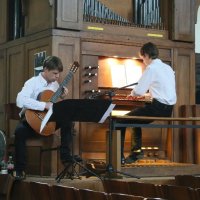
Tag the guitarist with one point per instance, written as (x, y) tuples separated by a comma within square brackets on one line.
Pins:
[(27, 98)]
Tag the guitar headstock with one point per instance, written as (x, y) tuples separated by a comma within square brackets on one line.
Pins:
[(74, 66)]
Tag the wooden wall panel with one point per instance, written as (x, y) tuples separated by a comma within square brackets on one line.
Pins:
[(15, 71), (3, 21), (120, 50), (184, 66), (15, 76), (68, 49), (32, 48), (2, 86), (69, 14), (185, 83), (39, 16), (183, 20)]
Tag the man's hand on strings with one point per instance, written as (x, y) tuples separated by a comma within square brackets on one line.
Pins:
[(64, 93)]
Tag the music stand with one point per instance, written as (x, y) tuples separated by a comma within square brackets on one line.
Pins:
[(110, 171), (81, 110)]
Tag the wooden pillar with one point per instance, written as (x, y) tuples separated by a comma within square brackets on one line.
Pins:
[(196, 112), (188, 135)]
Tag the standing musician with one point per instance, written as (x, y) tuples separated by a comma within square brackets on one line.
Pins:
[(27, 98), (159, 80)]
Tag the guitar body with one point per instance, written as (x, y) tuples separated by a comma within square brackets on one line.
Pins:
[(34, 117)]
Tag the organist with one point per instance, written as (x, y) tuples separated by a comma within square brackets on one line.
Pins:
[(158, 79)]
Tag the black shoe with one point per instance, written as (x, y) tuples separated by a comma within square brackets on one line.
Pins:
[(19, 175), (134, 156), (71, 159)]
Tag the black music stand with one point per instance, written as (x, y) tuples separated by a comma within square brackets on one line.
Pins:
[(110, 171), (82, 110)]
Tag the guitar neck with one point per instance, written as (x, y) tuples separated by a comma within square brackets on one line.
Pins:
[(57, 94)]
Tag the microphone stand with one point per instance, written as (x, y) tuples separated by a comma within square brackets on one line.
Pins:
[(110, 172)]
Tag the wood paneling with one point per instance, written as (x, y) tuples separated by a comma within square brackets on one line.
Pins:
[(39, 16), (183, 20), (3, 21), (184, 66), (15, 72), (185, 83), (32, 48), (2, 86), (69, 14)]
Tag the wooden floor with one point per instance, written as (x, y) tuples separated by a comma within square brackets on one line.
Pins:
[(155, 172), (149, 168)]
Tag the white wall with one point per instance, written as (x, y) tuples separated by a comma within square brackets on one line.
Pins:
[(197, 32)]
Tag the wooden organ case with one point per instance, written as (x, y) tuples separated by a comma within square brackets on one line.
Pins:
[(147, 21)]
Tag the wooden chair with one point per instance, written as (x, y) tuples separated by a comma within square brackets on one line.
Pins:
[(21, 190), (64, 192), (118, 196), (143, 189), (197, 193), (86, 194), (154, 199), (6, 183), (174, 192), (197, 182), (185, 180), (115, 186), (43, 143), (40, 191)]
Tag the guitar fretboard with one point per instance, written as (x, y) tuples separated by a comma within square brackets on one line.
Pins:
[(57, 94)]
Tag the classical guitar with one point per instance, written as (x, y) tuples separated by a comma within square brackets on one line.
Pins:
[(34, 117)]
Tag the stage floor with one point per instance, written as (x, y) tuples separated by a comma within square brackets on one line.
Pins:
[(160, 168), (143, 170)]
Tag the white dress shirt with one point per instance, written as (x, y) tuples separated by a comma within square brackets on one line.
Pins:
[(159, 79), (27, 97)]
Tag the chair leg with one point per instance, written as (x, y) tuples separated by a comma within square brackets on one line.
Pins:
[(41, 162)]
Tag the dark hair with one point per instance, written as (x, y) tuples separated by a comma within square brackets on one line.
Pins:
[(53, 63), (150, 49)]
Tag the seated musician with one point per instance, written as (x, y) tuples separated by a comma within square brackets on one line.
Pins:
[(27, 98), (158, 79)]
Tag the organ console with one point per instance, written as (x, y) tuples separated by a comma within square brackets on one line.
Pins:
[(92, 91), (88, 81), (90, 74), (91, 67), (111, 75)]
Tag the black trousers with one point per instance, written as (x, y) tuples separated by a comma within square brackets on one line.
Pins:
[(23, 132), (154, 109)]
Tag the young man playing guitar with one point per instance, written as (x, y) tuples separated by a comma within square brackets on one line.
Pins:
[(27, 99)]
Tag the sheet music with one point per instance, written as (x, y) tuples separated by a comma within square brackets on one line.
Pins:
[(46, 118), (107, 113)]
